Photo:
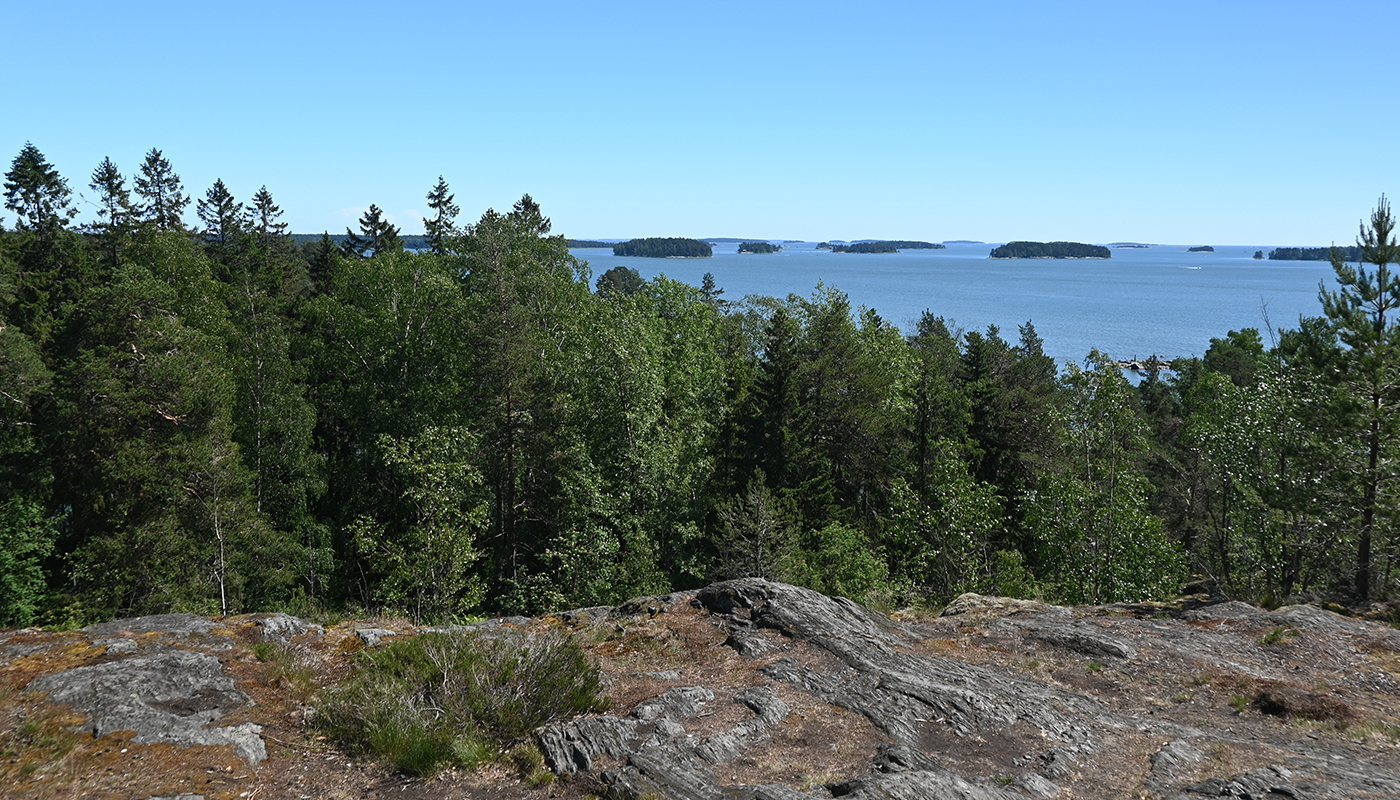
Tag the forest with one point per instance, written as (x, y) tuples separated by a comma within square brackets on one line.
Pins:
[(1352, 253), (672, 247), (759, 247), (201, 414), (1050, 250)]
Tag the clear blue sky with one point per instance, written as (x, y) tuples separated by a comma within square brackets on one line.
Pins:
[(1222, 122)]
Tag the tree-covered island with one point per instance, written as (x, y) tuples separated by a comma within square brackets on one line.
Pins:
[(1050, 250), (759, 247), (880, 246), (1205, 248), (1350, 254), (673, 247)]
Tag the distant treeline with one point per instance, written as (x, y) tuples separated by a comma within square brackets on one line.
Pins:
[(1050, 250), (589, 243), (759, 247), (674, 247), (1205, 248), (880, 246), (901, 244), (410, 241), (1351, 253)]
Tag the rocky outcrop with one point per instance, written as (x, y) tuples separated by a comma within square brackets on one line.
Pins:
[(754, 690), (169, 697)]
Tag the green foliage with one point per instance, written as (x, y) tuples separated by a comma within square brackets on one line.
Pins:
[(620, 282), (865, 247), (759, 247), (26, 539), (458, 698), (1350, 254), (422, 562), (1050, 250), (841, 560), (664, 248)]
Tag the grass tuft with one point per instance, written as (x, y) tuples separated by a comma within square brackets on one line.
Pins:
[(460, 698)]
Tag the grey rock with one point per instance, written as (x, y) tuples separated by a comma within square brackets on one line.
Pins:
[(1173, 756), (186, 796), (670, 728), (664, 772), (1035, 786), (729, 744), (971, 602), (677, 703), (1082, 637), (895, 757), (920, 785), (12, 651), (763, 702), (181, 625), (372, 637), (576, 745), (118, 646), (1060, 763), (283, 628), (749, 643), (169, 697)]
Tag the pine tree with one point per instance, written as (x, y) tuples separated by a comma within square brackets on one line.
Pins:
[(442, 226), (160, 187), (1361, 313)]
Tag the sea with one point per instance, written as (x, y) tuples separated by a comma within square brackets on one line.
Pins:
[(1156, 300)]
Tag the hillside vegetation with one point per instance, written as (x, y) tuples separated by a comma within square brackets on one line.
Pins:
[(208, 417)]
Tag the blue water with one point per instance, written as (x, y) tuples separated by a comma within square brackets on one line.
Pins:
[(1161, 300)]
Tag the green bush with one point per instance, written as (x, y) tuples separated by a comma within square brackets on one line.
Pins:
[(459, 698)]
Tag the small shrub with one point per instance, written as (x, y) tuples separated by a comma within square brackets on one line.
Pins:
[(1239, 702), (1095, 667), (459, 698), (1277, 636)]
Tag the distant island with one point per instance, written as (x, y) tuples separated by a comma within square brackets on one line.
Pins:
[(1205, 248), (864, 247), (759, 247), (1050, 250), (962, 241), (879, 246), (655, 247), (587, 243), (1350, 253), (1258, 255), (1129, 244)]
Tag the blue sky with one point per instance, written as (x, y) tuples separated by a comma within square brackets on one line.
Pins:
[(1215, 122)]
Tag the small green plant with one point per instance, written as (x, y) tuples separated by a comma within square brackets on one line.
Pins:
[(1095, 667), (1200, 680), (1239, 702), (1278, 635), (459, 698)]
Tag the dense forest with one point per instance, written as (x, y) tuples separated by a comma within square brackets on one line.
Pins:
[(1352, 254), (211, 417), (664, 248), (864, 247), (1050, 250), (762, 248)]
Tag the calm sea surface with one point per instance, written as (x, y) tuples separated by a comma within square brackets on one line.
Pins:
[(1160, 300)]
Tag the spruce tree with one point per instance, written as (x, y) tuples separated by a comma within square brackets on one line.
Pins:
[(36, 193), (224, 219), (160, 187), (377, 235), (116, 215), (442, 225)]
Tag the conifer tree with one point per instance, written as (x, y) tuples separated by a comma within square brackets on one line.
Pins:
[(224, 219), (377, 235), (266, 216), (116, 215), (164, 196), (442, 225), (36, 193)]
